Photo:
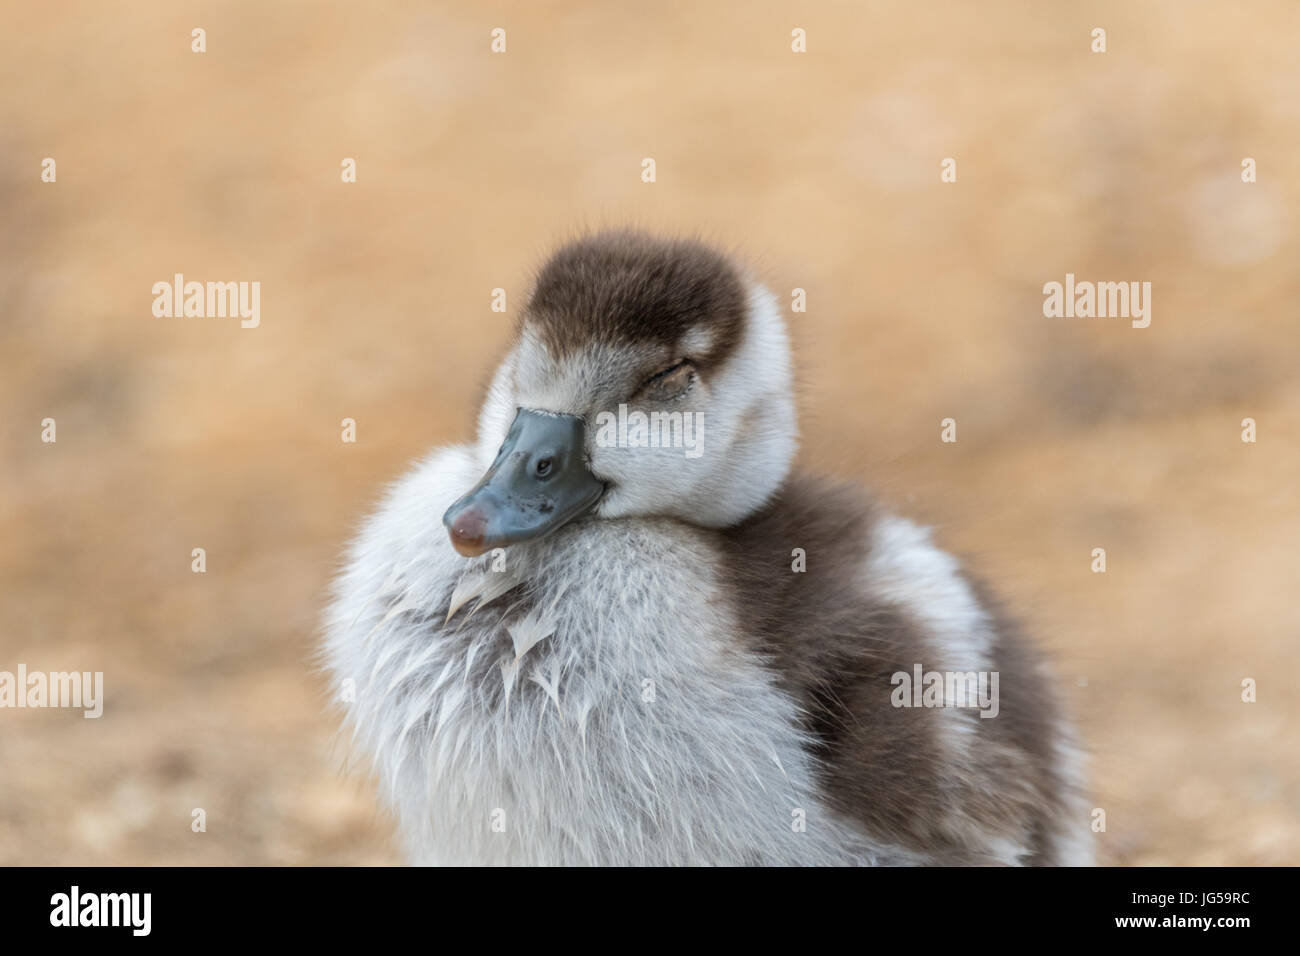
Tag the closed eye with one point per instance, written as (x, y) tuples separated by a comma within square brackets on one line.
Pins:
[(671, 383)]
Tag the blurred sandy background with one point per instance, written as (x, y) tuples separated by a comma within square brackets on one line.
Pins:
[(924, 301)]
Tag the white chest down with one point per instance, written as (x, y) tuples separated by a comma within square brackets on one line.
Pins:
[(597, 712)]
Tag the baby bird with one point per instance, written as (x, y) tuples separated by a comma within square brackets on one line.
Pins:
[(622, 627)]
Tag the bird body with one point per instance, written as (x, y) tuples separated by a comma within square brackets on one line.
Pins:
[(621, 655)]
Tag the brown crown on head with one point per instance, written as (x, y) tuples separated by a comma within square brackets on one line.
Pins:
[(629, 288)]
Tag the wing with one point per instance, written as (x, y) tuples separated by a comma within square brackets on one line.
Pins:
[(855, 638)]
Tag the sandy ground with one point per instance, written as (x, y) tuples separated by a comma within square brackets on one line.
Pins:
[(924, 302)]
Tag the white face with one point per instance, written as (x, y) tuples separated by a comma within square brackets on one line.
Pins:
[(709, 449)]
